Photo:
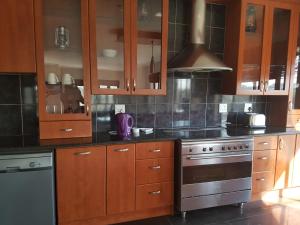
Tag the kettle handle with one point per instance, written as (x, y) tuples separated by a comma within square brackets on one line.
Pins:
[(130, 121)]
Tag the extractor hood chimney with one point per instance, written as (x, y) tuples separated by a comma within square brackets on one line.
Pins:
[(195, 57)]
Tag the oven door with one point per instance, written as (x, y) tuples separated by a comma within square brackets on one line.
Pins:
[(216, 173)]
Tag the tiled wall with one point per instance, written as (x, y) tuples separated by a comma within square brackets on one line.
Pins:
[(18, 105), (192, 99)]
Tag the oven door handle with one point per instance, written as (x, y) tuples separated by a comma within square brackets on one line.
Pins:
[(215, 157)]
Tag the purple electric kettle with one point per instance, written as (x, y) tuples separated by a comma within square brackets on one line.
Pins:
[(124, 124)]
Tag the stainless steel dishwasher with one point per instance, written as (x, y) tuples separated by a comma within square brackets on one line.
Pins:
[(27, 189)]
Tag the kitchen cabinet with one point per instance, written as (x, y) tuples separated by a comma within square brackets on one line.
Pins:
[(128, 40), (17, 44), (284, 161), (296, 168), (120, 179), (81, 183), (258, 47), (63, 67)]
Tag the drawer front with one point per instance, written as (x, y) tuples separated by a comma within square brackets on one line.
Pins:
[(262, 182), (265, 143), (154, 195), (152, 150), (292, 120), (154, 170), (65, 129), (264, 161)]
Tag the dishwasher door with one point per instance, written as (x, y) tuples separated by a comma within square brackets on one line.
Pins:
[(27, 190)]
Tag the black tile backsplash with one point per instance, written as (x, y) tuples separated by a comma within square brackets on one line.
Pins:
[(18, 105), (192, 99)]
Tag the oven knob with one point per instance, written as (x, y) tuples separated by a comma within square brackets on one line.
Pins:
[(204, 149), (223, 148), (235, 148), (246, 146), (241, 147), (229, 148), (211, 149), (191, 150)]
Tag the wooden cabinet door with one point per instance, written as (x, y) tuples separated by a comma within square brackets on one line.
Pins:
[(63, 59), (17, 45), (284, 161), (120, 178), (149, 44), (81, 178), (296, 169), (280, 42)]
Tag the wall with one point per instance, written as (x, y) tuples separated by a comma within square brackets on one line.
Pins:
[(192, 99), (18, 105)]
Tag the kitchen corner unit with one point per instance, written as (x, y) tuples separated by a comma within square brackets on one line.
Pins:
[(258, 47), (63, 68)]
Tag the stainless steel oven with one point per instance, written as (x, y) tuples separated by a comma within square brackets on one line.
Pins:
[(213, 173)]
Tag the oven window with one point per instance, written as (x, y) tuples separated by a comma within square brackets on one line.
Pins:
[(219, 172)]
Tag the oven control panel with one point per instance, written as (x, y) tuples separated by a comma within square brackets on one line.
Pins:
[(194, 147)]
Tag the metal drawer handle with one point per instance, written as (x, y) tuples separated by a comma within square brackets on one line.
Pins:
[(67, 129), (154, 167), (122, 150), (82, 153), (154, 192), (155, 150), (263, 143), (261, 179), (263, 158)]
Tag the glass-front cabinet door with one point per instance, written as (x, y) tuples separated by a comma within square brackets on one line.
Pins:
[(294, 96), (280, 44), (110, 46), (149, 46), (251, 69), (63, 67)]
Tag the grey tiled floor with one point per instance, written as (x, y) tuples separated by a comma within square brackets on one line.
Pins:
[(285, 213)]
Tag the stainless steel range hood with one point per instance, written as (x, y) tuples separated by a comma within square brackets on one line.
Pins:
[(195, 57)]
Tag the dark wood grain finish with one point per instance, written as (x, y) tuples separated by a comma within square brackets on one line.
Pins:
[(17, 41), (120, 179), (81, 178), (152, 150), (154, 170), (154, 195), (284, 161)]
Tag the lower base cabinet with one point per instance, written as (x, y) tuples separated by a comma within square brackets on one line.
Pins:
[(112, 184)]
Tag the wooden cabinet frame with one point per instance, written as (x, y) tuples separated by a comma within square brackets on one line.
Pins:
[(130, 51), (43, 115)]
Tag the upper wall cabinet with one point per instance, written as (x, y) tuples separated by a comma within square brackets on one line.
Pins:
[(129, 46), (258, 47), (17, 45), (63, 67)]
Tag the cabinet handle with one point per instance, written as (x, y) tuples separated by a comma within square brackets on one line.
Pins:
[(128, 85), (82, 153), (122, 150), (280, 144), (263, 143), (154, 167), (134, 84), (290, 106), (154, 192), (154, 150), (87, 110), (263, 158), (266, 86), (67, 129), (262, 86), (261, 179)]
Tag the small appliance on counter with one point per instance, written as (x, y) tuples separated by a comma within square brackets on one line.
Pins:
[(124, 124), (251, 120)]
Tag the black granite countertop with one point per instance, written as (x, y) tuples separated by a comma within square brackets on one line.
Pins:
[(32, 144)]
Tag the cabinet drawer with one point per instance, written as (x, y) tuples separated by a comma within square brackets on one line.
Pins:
[(65, 129), (154, 195), (292, 120), (152, 150), (264, 161), (262, 182), (154, 170), (265, 143)]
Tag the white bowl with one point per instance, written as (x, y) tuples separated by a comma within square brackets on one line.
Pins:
[(110, 53)]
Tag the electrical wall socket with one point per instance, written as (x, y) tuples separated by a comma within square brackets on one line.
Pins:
[(248, 107), (119, 108), (222, 108)]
